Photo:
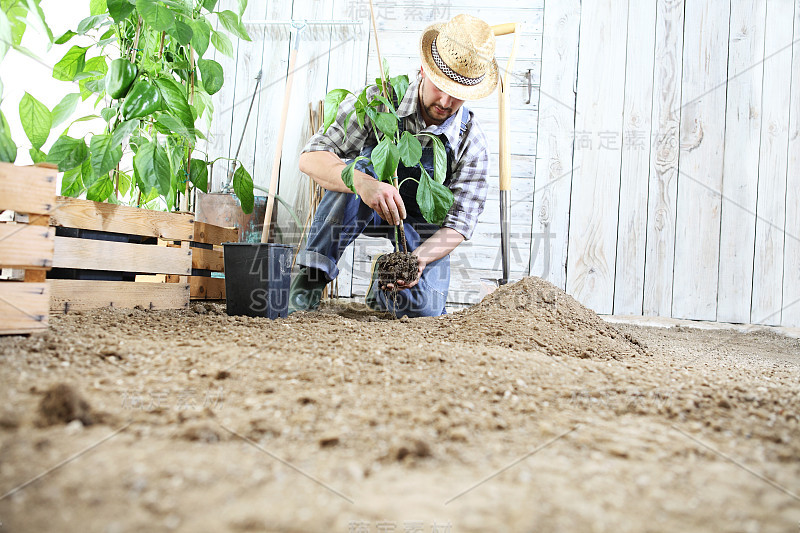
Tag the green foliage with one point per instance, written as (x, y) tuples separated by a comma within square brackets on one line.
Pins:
[(36, 120), (433, 197), (143, 62)]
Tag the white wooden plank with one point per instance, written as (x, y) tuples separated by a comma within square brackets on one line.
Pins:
[(275, 42), (249, 57), (555, 134), (219, 136), (739, 187), (659, 256), (635, 167), (705, 62), (393, 16), (595, 180), (308, 85), (771, 208), (791, 258)]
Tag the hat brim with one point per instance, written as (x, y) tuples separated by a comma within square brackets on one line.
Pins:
[(443, 82)]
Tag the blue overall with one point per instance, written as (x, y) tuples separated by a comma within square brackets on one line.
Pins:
[(341, 217)]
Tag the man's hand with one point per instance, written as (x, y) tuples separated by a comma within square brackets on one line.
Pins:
[(382, 197), (437, 246), (401, 284)]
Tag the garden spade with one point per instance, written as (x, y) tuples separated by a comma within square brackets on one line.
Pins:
[(504, 109)]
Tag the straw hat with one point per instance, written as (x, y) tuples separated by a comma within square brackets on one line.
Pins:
[(458, 56)]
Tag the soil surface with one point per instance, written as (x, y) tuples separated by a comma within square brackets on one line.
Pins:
[(525, 413)]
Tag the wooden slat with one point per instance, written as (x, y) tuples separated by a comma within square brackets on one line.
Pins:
[(212, 260), (203, 287), (211, 234), (772, 206), (74, 295), (23, 307), (702, 137), (555, 134), (739, 187), (595, 180), (84, 214), (791, 257), (27, 189), (308, 85), (120, 256), (634, 173), (664, 160), (24, 246)]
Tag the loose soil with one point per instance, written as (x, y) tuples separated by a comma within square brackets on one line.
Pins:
[(525, 413)]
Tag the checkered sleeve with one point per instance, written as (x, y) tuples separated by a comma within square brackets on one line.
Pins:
[(468, 183), (345, 143)]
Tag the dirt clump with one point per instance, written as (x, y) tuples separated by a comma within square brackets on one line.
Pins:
[(535, 314), (62, 404), (397, 265)]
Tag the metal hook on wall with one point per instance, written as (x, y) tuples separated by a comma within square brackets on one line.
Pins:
[(530, 86)]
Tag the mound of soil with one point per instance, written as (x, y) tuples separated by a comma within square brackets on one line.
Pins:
[(535, 314), (62, 404)]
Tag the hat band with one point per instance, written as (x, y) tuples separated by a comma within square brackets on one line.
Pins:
[(455, 76)]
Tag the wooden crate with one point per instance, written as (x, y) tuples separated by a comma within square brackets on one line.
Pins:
[(26, 243), (90, 254), (207, 257)]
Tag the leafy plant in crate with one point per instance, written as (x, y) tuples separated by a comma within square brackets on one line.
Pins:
[(150, 97), (394, 147)]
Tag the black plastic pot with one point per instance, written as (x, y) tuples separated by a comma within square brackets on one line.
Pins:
[(257, 277)]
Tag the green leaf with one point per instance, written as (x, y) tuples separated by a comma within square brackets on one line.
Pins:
[(89, 23), (156, 15), (198, 174), (384, 158), (243, 188), (143, 167), (96, 7), (162, 170), (71, 184), (410, 149), (439, 159), (332, 101), (37, 156), (88, 177), (119, 9), (6, 37), (97, 68), (104, 154), (174, 97), (434, 199), (123, 130), (347, 173), (222, 43), (182, 33), (68, 153), (35, 11), (66, 36), (242, 7), (64, 109), (400, 85), (71, 64), (8, 150), (211, 74), (100, 190), (36, 120), (387, 123), (108, 113), (201, 33), (125, 182), (231, 22), (172, 125), (209, 4)]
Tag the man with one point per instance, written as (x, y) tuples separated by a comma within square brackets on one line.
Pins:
[(457, 64)]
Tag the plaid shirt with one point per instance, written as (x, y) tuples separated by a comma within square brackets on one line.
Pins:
[(470, 167)]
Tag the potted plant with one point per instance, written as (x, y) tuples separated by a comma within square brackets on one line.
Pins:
[(151, 85)]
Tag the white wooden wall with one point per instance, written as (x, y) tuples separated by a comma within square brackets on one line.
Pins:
[(655, 169)]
